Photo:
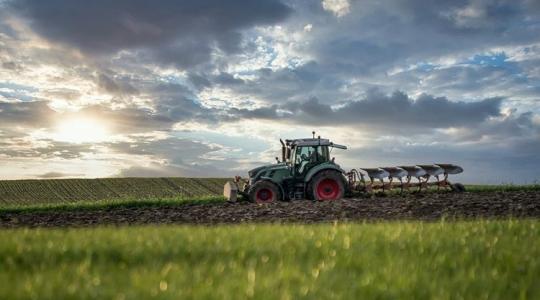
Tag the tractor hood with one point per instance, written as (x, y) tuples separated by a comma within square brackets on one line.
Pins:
[(254, 172)]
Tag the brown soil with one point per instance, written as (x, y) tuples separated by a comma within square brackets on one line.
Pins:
[(519, 204)]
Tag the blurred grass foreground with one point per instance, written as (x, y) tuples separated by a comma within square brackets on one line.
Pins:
[(390, 260)]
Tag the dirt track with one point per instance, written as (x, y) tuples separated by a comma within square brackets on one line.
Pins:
[(411, 207)]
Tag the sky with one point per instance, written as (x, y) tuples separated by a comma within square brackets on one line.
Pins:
[(206, 88)]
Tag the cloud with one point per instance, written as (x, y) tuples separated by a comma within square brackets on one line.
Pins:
[(181, 33), (10, 65), (175, 157), (388, 33), (113, 86), (481, 14), (277, 86), (338, 7), (377, 110), (165, 170), (19, 145), (511, 127), (50, 175), (33, 113)]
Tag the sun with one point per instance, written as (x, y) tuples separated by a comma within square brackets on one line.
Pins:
[(81, 130)]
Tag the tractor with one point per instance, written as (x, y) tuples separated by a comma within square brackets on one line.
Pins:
[(306, 171)]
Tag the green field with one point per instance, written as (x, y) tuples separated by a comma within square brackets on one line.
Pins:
[(66, 191), (393, 260)]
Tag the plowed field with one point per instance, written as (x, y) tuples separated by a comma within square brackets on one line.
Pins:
[(430, 206)]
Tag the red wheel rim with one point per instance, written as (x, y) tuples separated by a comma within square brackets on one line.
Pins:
[(264, 195), (328, 189)]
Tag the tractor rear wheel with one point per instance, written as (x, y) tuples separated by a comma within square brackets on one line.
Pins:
[(327, 185), (264, 192)]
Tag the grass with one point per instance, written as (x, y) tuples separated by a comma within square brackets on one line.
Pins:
[(110, 204), (502, 188), (394, 260)]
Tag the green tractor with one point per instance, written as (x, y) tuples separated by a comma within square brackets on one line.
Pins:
[(305, 171)]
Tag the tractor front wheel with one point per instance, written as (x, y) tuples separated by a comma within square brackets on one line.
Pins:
[(264, 192), (327, 185)]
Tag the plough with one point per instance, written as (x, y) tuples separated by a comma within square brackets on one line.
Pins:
[(388, 178)]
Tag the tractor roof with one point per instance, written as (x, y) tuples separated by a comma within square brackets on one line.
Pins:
[(313, 142)]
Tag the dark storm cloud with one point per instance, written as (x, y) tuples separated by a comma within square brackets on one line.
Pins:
[(377, 35), (512, 126), (274, 86), (399, 109), (270, 113), (379, 110), (178, 32)]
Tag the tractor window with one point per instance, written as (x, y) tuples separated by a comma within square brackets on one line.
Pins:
[(323, 154), (309, 155), (302, 155)]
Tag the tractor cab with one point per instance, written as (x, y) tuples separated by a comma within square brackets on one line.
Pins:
[(304, 154)]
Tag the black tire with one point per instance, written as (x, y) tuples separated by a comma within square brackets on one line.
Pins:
[(326, 185), (264, 192), (458, 187)]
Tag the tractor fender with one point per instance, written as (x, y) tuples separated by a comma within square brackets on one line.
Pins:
[(322, 167), (277, 184)]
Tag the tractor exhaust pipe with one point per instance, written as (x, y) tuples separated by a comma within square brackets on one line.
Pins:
[(282, 150)]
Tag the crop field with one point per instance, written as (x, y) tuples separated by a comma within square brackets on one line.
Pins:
[(390, 260), (62, 191)]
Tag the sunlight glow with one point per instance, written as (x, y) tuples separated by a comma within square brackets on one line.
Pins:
[(81, 130)]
